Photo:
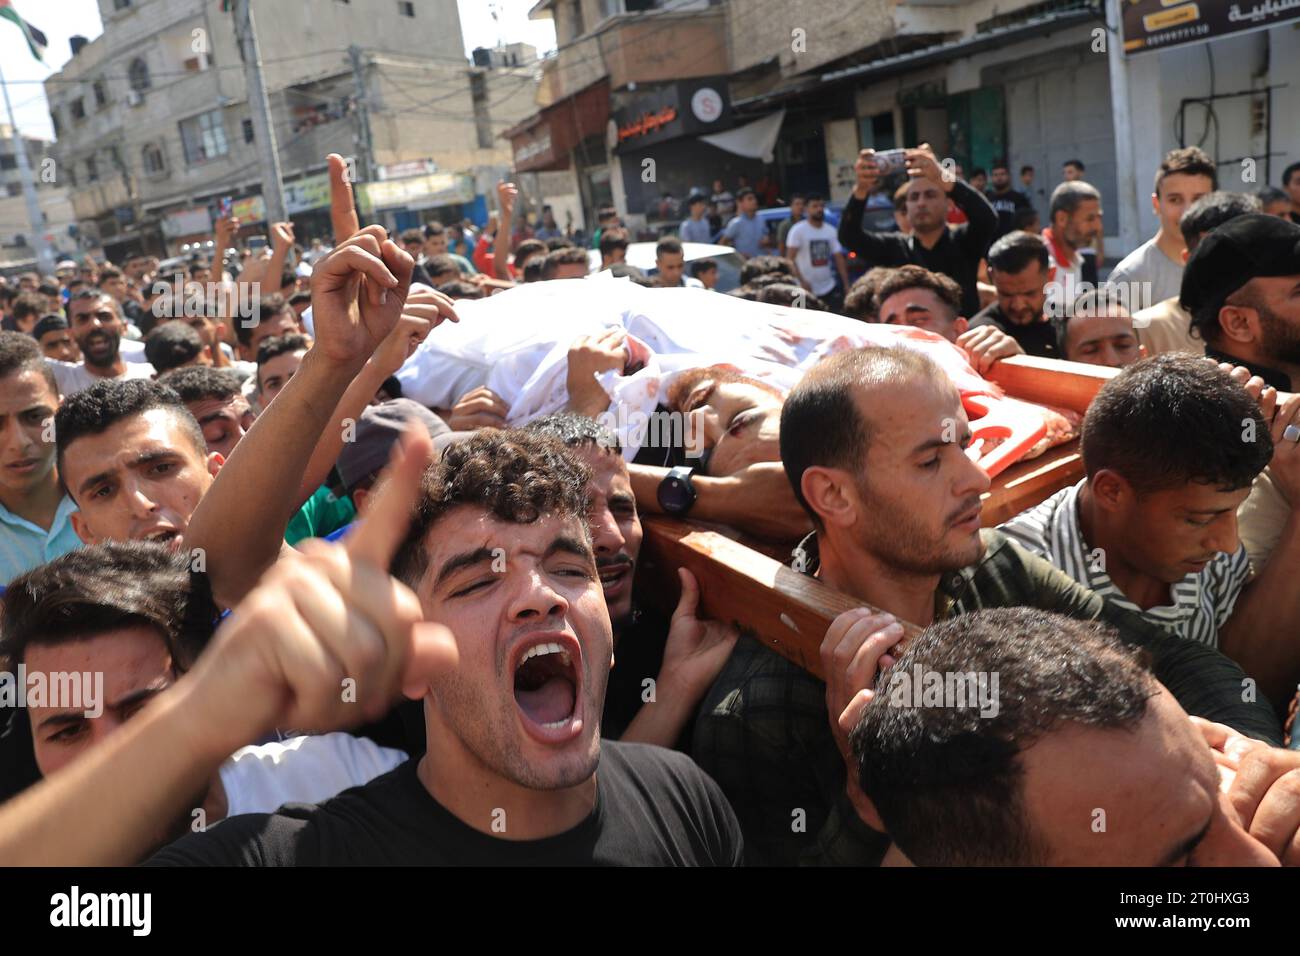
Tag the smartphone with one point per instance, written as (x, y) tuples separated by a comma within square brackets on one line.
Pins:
[(227, 204), (889, 160)]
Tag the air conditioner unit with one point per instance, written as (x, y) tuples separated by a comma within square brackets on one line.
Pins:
[(134, 98)]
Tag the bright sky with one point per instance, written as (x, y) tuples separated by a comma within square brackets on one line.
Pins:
[(24, 75)]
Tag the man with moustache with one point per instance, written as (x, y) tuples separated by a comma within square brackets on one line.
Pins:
[(680, 658), (955, 251), (98, 330)]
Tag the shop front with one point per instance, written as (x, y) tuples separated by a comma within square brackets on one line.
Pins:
[(570, 135)]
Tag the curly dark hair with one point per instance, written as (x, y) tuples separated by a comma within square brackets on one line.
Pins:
[(516, 475), (861, 301), (918, 277), (763, 265)]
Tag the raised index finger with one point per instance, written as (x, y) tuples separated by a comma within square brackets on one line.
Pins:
[(343, 210), (377, 536)]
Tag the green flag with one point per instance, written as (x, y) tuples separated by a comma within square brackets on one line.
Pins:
[(36, 41)]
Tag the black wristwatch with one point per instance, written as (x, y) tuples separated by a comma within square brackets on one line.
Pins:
[(676, 494)]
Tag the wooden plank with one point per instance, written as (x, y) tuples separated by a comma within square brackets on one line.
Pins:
[(1071, 385), (786, 610), (789, 611), (1026, 483)]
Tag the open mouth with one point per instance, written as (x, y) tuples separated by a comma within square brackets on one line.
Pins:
[(614, 577), (546, 687)]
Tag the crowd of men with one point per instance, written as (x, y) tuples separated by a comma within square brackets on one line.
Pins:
[(320, 623)]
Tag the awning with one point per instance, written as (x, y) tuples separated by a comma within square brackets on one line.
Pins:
[(756, 140), (545, 139)]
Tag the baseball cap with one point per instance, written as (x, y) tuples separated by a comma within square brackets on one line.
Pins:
[(1251, 246), (378, 429)]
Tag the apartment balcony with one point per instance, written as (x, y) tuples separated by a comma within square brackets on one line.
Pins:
[(638, 42)]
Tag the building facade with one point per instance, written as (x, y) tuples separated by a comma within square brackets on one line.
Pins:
[(58, 221), (154, 130), (1028, 81)]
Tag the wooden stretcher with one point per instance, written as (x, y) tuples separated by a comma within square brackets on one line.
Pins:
[(790, 611)]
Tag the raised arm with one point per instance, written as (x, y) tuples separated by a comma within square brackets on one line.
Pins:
[(876, 248), (281, 243), (981, 225), (1260, 635), (276, 662), (507, 194), (358, 293), (424, 310)]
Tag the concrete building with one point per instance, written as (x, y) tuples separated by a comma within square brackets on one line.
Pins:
[(1025, 81), (615, 124), (154, 129), (17, 243)]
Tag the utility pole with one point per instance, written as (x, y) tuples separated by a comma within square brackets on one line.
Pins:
[(365, 147), (260, 106), (44, 254), (1121, 114)]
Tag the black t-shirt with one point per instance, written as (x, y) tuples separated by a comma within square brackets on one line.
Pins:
[(638, 654), (1037, 338), (654, 807), (1006, 205)]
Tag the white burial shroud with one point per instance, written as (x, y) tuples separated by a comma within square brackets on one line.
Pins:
[(517, 342)]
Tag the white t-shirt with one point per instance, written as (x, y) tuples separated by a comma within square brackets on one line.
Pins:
[(73, 377), (1158, 277), (263, 778), (814, 249), (131, 350)]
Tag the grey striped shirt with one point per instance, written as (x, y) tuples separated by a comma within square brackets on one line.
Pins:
[(1201, 601)]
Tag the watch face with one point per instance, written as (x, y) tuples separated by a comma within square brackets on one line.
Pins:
[(673, 495)]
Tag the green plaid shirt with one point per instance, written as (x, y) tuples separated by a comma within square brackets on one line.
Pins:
[(762, 732)]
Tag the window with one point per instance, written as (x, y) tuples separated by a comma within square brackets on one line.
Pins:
[(92, 170), (152, 160), (101, 98), (121, 4), (54, 120), (248, 130), (8, 162), (14, 189), (406, 8), (72, 174), (138, 75), (204, 137), (78, 108)]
